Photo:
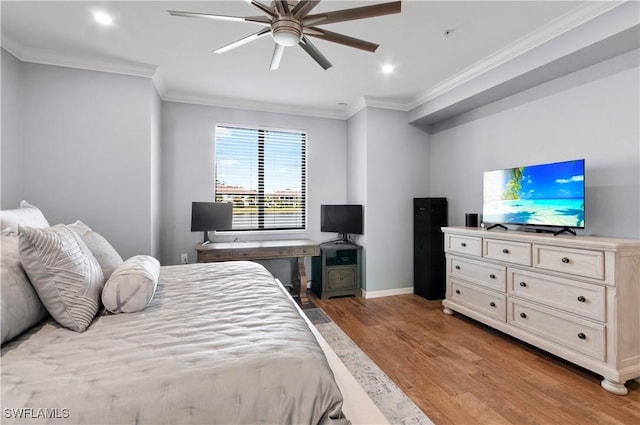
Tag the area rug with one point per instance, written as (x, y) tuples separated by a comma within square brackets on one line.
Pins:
[(392, 402)]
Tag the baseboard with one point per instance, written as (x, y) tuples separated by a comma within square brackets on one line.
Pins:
[(387, 292)]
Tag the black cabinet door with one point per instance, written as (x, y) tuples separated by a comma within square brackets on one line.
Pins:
[(429, 271)]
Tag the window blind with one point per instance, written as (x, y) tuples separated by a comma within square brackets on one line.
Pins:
[(263, 173)]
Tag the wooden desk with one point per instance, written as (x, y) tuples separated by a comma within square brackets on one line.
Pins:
[(263, 250)]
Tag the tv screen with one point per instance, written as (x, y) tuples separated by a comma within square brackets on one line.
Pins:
[(341, 218), (207, 216), (545, 195)]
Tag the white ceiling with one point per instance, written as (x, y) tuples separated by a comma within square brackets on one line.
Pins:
[(177, 52)]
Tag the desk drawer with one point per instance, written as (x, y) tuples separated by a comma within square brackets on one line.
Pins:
[(261, 253), (581, 262), (306, 251), (217, 255)]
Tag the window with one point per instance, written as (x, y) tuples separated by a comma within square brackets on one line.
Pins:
[(263, 172)]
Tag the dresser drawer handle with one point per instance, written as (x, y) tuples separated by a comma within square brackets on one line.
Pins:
[(492, 276), (523, 284), (505, 251), (582, 336), (524, 316), (565, 260), (457, 267), (463, 244), (582, 299), (457, 291), (492, 304)]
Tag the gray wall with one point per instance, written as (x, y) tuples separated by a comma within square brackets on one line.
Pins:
[(10, 144), (389, 163), (86, 152), (188, 174), (592, 114)]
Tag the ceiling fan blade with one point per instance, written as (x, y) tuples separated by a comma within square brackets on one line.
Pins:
[(277, 56), (266, 9), (283, 6), (243, 41), (352, 14), (341, 39), (314, 53), (303, 8), (255, 19)]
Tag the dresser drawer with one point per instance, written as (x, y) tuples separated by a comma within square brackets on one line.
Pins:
[(492, 276), (568, 295), (512, 252), (214, 255), (487, 302), (341, 278), (580, 262), (577, 334), (464, 244)]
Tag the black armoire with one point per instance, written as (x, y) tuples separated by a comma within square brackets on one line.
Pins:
[(429, 274)]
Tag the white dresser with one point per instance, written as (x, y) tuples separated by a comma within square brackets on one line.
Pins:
[(577, 297)]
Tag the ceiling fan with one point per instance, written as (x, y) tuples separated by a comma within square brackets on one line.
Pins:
[(289, 23)]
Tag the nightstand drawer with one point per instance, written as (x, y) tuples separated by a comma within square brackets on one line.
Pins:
[(465, 245), (341, 278), (581, 262), (492, 276), (512, 252), (578, 334), (487, 302), (217, 255), (568, 295)]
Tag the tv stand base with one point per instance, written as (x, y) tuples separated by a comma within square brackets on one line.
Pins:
[(497, 225)]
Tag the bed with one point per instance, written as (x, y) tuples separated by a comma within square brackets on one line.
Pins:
[(218, 343)]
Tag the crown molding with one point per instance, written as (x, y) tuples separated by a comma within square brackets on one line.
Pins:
[(570, 20), (255, 106)]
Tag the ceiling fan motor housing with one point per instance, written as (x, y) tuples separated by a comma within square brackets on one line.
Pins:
[(286, 31)]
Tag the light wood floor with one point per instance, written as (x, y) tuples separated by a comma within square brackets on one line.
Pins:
[(459, 371)]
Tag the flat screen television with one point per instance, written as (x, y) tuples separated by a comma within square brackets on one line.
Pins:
[(550, 195), (342, 219), (206, 216)]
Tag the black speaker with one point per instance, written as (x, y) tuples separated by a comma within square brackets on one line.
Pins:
[(471, 220), (429, 272)]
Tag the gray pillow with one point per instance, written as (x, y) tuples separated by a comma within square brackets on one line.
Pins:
[(64, 273), (107, 256), (20, 308), (26, 216), (132, 285)]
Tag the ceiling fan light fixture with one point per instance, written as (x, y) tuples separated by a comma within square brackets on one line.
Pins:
[(286, 32)]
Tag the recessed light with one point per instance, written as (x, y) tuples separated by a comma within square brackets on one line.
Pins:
[(387, 69), (102, 18)]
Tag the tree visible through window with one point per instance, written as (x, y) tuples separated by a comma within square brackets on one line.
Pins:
[(263, 172)]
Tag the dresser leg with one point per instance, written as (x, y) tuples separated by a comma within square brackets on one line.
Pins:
[(448, 311), (614, 387)]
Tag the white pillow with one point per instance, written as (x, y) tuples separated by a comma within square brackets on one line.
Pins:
[(64, 273), (132, 285), (107, 256), (20, 308), (26, 216)]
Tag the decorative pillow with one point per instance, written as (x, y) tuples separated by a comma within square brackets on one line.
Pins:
[(20, 308), (64, 273), (132, 285), (107, 256), (26, 216)]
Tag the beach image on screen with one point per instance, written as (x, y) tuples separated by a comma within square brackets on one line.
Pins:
[(548, 194)]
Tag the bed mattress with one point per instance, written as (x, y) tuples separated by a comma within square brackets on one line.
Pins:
[(220, 343)]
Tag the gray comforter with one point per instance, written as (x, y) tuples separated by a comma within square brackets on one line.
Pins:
[(220, 343)]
